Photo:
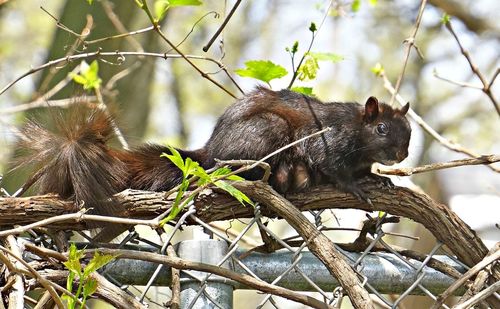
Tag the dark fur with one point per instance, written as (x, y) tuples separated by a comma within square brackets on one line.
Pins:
[(76, 162)]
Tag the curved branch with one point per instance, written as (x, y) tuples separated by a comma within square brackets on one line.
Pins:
[(444, 224)]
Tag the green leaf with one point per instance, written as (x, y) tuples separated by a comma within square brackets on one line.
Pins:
[(176, 158), (295, 47), (74, 266), (184, 2), (97, 262), (378, 69), (160, 8), (221, 171), (332, 57), (88, 76), (372, 2), (70, 280), (90, 287), (445, 19), (90, 1), (240, 196), (235, 178), (262, 70), (303, 90), (193, 167), (313, 27), (355, 5), (308, 69)]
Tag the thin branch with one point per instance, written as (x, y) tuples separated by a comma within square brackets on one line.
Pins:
[(410, 42), (115, 20), (79, 39), (314, 33), (48, 103), (461, 84), (145, 8), (79, 216), (175, 300), (45, 283), (224, 23), (471, 272), (216, 15), (119, 36), (68, 59), (408, 171), (479, 296), (182, 264), (445, 142), (486, 86)]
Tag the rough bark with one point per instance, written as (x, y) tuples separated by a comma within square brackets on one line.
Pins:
[(445, 225)]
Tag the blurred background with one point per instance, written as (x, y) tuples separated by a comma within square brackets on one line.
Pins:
[(167, 101)]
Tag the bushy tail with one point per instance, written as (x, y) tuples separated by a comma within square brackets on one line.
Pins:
[(73, 159)]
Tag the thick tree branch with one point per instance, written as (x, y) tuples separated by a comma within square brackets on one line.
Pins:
[(215, 206)]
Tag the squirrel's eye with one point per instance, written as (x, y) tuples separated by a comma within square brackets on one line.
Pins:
[(382, 129)]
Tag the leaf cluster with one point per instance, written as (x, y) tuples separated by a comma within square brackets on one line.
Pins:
[(192, 171), (86, 285)]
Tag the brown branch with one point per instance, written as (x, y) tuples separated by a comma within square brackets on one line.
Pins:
[(224, 23), (471, 272), (320, 245), (49, 286), (480, 281), (215, 206), (407, 171), (175, 300)]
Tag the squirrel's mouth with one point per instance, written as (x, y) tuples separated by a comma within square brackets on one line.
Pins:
[(389, 162)]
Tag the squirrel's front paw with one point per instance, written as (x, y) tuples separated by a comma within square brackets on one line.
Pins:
[(386, 181), (360, 194)]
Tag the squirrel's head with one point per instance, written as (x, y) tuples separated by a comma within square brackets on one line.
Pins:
[(386, 132)]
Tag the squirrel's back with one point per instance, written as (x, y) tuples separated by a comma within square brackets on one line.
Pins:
[(76, 161)]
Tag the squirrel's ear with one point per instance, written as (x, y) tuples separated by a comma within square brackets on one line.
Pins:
[(371, 109), (405, 109)]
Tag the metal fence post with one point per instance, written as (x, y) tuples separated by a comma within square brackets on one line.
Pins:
[(196, 294)]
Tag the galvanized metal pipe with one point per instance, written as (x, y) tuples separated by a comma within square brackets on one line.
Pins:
[(385, 272)]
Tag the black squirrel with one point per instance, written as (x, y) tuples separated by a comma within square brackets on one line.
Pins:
[(76, 162)]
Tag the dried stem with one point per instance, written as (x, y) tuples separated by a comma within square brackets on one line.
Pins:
[(408, 171), (486, 85), (410, 42)]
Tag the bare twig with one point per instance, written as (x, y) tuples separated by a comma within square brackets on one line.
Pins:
[(175, 301), (481, 279), (115, 20), (49, 103), (410, 42), (79, 39), (486, 85), (224, 23), (471, 272), (458, 83), (445, 142), (485, 159), (145, 8), (79, 216), (68, 59), (479, 296), (49, 286), (16, 295), (314, 34)]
